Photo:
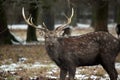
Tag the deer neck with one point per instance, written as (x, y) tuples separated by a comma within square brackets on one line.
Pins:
[(52, 44), (52, 48)]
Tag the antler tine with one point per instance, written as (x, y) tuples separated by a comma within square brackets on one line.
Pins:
[(68, 22), (44, 25), (69, 18), (29, 21)]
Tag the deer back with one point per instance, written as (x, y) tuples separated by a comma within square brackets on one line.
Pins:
[(91, 42)]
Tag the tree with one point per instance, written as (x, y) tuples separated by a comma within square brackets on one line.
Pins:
[(75, 4), (31, 31), (117, 11), (47, 13), (101, 15), (5, 36), (93, 16)]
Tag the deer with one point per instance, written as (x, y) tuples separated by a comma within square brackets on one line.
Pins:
[(93, 48)]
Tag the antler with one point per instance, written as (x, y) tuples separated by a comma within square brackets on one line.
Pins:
[(29, 21), (68, 22)]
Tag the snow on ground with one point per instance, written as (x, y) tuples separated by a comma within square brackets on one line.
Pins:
[(80, 25), (24, 27), (15, 66), (54, 69)]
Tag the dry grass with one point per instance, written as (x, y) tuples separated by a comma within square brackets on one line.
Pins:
[(95, 70), (31, 52)]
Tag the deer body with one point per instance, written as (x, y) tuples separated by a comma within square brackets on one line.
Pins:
[(85, 50)]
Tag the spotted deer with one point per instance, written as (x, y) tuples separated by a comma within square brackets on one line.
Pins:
[(89, 49)]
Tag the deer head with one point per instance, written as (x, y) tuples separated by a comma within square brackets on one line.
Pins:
[(47, 33)]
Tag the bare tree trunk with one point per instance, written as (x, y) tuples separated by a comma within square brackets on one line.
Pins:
[(5, 36), (68, 10), (93, 16), (48, 17), (101, 15), (31, 32), (117, 11)]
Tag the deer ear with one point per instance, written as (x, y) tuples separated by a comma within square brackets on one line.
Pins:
[(40, 32)]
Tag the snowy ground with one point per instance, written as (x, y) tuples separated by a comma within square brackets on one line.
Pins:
[(80, 25), (24, 26), (82, 73)]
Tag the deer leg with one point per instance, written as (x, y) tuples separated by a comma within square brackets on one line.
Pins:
[(110, 69), (63, 73), (109, 66), (72, 71)]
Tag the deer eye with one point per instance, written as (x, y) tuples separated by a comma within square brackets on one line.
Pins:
[(46, 36)]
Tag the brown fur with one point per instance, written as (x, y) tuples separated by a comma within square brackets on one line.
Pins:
[(85, 50), (67, 32)]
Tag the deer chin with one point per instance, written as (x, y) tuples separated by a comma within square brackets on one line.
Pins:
[(51, 44)]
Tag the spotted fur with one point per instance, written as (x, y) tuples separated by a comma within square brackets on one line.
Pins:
[(86, 50)]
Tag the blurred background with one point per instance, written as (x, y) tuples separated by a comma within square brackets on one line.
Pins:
[(97, 14)]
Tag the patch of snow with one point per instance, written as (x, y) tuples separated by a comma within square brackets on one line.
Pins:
[(11, 67), (54, 69), (51, 76), (75, 34), (24, 26), (80, 25), (112, 25), (33, 78), (93, 77), (17, 26), (17, 37), (14, 66), (22, 59), (41, 39), (31, 43), (80, 76), (83, 25), (117, 66)]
